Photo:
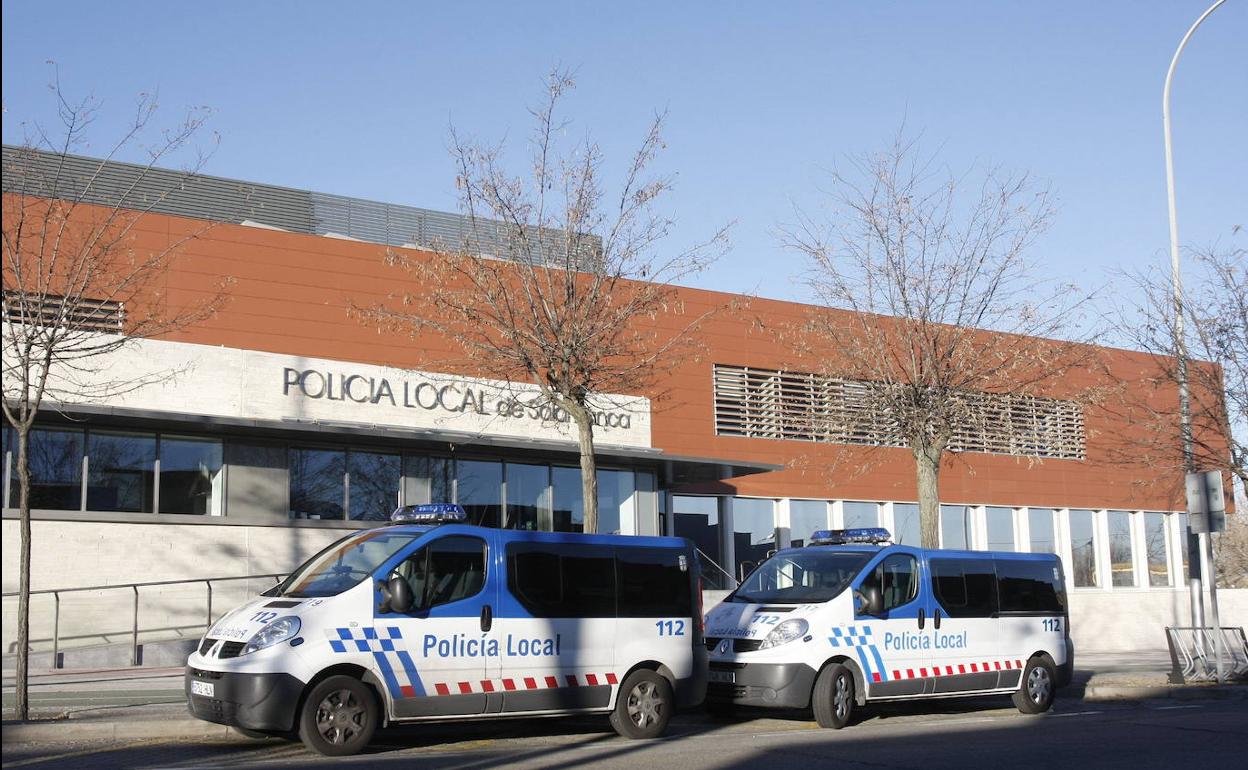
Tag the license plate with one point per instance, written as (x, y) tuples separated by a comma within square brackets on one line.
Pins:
[(205, 689), (724, 677)]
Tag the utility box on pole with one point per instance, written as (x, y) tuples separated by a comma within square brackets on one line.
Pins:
[(1206, 502)]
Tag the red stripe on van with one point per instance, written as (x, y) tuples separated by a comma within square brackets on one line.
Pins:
[(552, 682), (465, 688), (611, 679), (442, 689), (875, 676), (487, 685), (572, 680), (530, 683), (509, 684)]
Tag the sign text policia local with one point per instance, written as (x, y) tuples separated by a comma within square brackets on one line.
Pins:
[(233, 383), (454, 397)]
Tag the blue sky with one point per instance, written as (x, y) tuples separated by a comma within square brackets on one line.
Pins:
[(356, 99)]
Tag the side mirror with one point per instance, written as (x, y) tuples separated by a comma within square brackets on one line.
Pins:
[(873, 601), (400, 595)]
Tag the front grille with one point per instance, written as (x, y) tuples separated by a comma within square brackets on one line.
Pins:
[(206, 645), (199, 673), (231, 649), (738, 645)]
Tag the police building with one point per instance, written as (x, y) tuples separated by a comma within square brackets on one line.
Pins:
[(270, 429)]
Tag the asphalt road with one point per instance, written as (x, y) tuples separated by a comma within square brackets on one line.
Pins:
[(1161, 734)]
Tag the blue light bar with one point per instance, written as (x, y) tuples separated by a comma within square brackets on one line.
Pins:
[(429, 513), (870, 535)]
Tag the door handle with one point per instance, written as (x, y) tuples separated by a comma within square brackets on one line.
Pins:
[(936, 618), (487, 617), (922, 618)]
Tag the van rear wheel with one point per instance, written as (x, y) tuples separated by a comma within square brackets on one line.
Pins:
[(338, 717), (643, 706), (833, 698), (1035, 693)]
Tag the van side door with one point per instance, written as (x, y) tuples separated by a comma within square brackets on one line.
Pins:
[(892, 646), (966, 638)]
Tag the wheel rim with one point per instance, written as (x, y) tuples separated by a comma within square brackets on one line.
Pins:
[(644, 704), (341, 717), (842, 696), (1038, 685)]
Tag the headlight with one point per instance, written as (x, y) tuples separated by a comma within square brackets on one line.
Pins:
[(785, 633), (278, 631)]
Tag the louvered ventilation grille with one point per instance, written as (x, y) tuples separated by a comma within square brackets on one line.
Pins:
[(49, 310), (766, 403)]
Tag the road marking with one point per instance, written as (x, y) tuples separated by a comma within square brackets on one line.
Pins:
[(1074, 714), (1172, 708)]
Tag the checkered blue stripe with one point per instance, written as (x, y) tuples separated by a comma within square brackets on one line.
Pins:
[(861, 641), (850, 636), (368, 639)]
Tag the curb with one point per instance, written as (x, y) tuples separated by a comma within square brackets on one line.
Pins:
[(62, 730), (1111, 692)]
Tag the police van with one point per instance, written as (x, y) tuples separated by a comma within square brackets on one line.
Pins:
[(851, 619), (431, 619)]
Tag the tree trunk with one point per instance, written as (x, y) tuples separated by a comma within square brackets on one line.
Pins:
[(22, 674), (927, 466), (589, 466)]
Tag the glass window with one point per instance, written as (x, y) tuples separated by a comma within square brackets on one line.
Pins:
[(345, 563), (1083, 548), (427, 479), (652, 584), (55, 461), (528, 497), (568, 510), (805, 517), (906, 524), (1000, 523), (192, 477), (965, 588), (447, 570), (860, 514), (563, 581), (373, 486), (1121, 564), (121, 471), (955, 526), (1184, 544), (796, 577), (616, 512), (697, 518), (480, 484), (1155, 545), (754, 532), (1030, 586), (317, 489), (1040, 530), (897, 579)]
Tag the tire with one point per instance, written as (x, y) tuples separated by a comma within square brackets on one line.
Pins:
[(338, 717), (643, 706), (258, 735), (1038, 687), (833, 697)]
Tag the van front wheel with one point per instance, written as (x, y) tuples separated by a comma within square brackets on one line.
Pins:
[(833, 698), (643, 706), (1035, 694), (338, 717)]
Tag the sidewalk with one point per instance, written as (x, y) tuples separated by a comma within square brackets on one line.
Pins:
[(136, 704)]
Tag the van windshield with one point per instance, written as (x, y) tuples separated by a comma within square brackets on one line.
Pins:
[(795, 577), (344, 564)]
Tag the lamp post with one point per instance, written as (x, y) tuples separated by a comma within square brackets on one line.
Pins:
[(1198, 545)]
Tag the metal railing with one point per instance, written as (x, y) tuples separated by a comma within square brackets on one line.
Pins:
[(134, 587), (728, 584)]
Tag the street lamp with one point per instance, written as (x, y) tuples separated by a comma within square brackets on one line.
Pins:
[(1194, 542)]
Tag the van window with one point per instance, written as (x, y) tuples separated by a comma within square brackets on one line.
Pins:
[(553, 580), (344, 564), (1030, 586), (806, 575), (965, 588), (447, 570), (897, 579), (652, 584)]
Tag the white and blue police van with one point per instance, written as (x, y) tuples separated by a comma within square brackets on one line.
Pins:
[(851, 619), (431, 619)]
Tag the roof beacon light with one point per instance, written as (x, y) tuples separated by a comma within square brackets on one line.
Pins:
[(868, 535), (429, 513)]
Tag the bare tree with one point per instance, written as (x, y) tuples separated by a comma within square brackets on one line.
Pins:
[(77, 285), (559, 283), (950, 334)]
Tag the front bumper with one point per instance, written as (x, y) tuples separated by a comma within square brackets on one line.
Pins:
[(771, 685), (266, 702)]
